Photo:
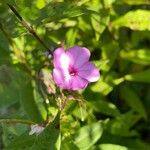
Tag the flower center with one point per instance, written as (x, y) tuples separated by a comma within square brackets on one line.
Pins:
[(73, 71)]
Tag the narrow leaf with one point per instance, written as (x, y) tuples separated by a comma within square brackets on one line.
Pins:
[(143, 76), (135, 2), (111, 147), (140, 56)]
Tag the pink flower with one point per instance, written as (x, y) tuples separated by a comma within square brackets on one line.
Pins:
[(72, 69)]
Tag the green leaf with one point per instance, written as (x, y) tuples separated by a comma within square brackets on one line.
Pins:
[(56, 11), (50, 138), (111, 147), (23, 141), (88, 135), (105, 107), (4, 48), (135, 20), (13, 89), (28, 102), (140, 56), (122, 124), (8, 86), (108, 3), (133, 100), (71, 37), (105, 87), (135, 2), (102, 87), (143, 76), (109, 53), (99, 23)]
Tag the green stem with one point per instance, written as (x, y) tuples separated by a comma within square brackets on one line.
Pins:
[(29, 28), (16, 121)]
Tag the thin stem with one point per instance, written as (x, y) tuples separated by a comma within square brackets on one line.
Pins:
[(29, 28), (16, 121)]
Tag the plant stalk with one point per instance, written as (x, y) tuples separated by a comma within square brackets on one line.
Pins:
[(29, 28)]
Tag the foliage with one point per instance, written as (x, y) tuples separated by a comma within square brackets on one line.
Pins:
[(112, 113)]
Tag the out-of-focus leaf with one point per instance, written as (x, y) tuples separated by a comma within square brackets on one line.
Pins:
[(133, 100), (104, 107), (140, 56), (100, 63), (143, 76), (67, 145), (139, 37), (28, 102), (135, 20), (134, 2), (122, 124), (9, 85), (130, 142), (99, 23), (40, 3), (109, 53), (71, 37), (111, 147), (55, 11), (105, 87), (4, 47), (108, 3), (102, 87), (50, 138), (23, 141), (88, 135)]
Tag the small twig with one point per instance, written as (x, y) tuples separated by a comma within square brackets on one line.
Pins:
[(14, 121), (29, 28)]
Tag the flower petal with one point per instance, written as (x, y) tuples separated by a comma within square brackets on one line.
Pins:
[(69, 83), (78, 55), (58, 76), (61, 78), (77, 83), (61, 60), (89, 72), (57, 54)]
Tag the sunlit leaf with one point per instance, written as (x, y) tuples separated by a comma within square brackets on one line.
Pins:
[(109, 53), (99, 23), (135, 20), (135, 2), (111, 146)]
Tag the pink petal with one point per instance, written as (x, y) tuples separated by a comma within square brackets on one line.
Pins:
[(58, 77), (61, 60), (69, 83), (89, 72), (57, 54), (77, 83), (78, 55)]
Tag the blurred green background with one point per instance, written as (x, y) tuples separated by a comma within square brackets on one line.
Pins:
[(111, 114)]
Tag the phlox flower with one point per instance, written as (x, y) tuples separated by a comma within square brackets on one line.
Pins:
[(72, 68)]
